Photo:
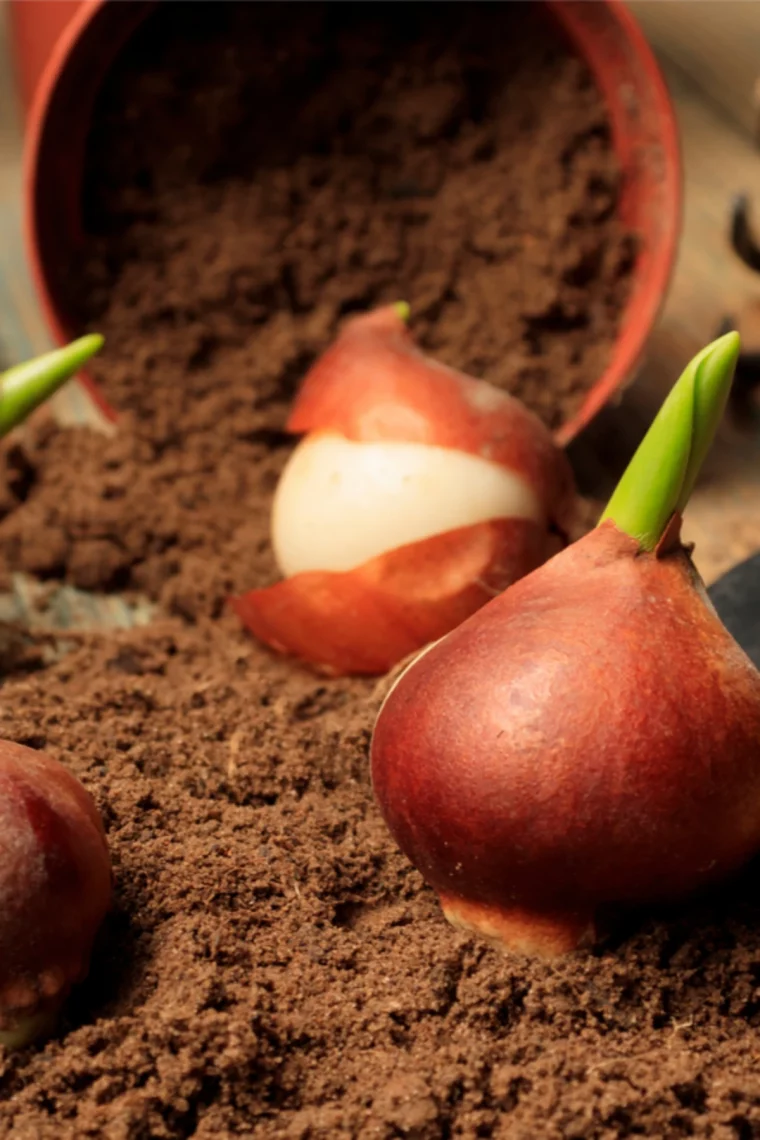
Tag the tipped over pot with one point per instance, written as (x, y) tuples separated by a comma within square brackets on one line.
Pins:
[(64, 51)]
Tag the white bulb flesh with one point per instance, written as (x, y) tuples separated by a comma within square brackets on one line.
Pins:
[(340, 503)]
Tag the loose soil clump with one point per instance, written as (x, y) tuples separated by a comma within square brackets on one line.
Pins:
[(273, 967)]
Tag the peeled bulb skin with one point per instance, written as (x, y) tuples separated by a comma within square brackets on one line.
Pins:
[(590, 737), (55, 889), (415, 495), (340, 503), (369, 619)]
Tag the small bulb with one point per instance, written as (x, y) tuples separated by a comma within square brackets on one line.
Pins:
[(55, 889)]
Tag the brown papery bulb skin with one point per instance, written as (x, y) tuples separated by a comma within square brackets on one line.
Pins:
[(589, 738), (55, 888)]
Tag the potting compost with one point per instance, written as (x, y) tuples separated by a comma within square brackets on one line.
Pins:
[(273, 967)]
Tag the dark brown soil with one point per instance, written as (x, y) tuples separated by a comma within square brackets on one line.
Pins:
[(273, 967)]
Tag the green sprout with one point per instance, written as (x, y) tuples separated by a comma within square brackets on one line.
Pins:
[(660, 478), (25, 386)]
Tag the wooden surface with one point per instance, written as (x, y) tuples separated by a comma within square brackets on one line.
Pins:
[(717, 43), (709, 283), (709, 50)]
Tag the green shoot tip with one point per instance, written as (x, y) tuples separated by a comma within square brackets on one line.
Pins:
[(25, 386), (660, 478)]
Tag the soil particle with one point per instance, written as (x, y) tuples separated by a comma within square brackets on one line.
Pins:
[(272, 967)]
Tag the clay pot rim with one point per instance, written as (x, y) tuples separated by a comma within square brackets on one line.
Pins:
[(648, 298), (57, 61), (650, 287), (62, 52)]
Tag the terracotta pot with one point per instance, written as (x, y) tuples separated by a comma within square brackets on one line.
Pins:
[(64, 48)]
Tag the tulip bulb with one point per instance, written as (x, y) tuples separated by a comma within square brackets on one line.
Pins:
[(591, 737), (55, 889), (415, 494)]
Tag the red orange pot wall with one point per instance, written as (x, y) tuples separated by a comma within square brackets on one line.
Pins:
[(64, 48)]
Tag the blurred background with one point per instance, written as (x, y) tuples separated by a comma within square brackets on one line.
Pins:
[(710, 53)]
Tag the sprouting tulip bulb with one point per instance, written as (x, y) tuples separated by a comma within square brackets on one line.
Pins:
[(25, 386), (588, 739), (660, 478)]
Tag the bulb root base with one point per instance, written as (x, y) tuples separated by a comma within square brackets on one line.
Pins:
[(541, 934)]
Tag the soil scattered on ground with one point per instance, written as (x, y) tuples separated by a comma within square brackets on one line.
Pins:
[(243, 197), (272, 966)]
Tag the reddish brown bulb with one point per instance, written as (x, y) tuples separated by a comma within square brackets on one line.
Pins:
[(55, 888), (590, 737)]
